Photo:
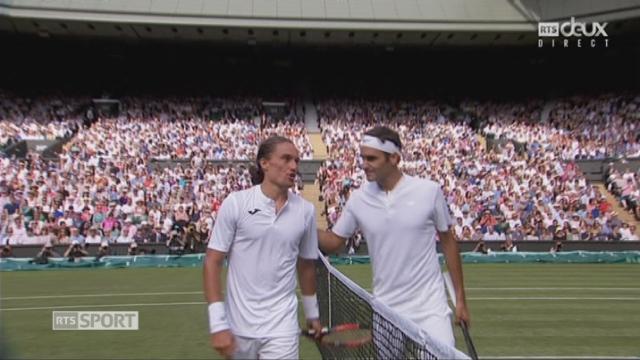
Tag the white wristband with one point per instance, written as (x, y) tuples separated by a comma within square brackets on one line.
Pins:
[(217, 317), (310, 305)]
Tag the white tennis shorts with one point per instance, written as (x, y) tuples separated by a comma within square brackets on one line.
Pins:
[(266, 348)]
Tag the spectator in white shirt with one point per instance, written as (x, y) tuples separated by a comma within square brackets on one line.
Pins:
[(492, 235)]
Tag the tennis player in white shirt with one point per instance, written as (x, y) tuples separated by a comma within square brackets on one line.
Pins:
[(400, 216), (266, 232)]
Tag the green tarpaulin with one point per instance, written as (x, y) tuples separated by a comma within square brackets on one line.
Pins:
[(195, 260)]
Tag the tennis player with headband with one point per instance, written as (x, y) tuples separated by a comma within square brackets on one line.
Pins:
[(266, 232), (400, 216)]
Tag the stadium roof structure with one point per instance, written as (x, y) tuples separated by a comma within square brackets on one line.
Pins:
[(299, 22)]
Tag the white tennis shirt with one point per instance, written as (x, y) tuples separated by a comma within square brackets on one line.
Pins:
[(400, 230), (263, 249)]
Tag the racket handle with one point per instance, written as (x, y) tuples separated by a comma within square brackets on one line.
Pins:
[(312, 332)]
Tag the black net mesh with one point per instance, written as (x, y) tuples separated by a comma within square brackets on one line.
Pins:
[(340, 304)]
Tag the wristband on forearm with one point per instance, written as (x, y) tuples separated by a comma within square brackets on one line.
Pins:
[(217, 317), (310, 305)]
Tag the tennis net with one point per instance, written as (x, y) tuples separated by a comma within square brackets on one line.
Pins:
[(342, 301)]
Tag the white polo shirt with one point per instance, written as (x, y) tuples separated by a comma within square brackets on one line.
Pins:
[(263, 250), (400, 230)]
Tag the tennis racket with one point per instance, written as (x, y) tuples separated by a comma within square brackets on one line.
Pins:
[(463, 325), (348, 335)]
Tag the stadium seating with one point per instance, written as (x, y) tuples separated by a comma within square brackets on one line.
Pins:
[(107, 176)]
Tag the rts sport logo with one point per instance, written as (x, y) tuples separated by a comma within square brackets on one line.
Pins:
[(572, 34)]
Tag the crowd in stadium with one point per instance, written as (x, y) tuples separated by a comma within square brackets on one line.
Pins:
[(494, 196), (180, 129), (574, 128), (112, 201), (106, 186), (626, 186), (45, 118), (119, 201), (199, 140)]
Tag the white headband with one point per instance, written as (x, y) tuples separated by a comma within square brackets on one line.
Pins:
[(382, 145)]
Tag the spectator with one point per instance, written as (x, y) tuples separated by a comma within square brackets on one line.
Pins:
[(76, 238), (103, 251), (133, 249), (634, 234), (626, 233), (93, 237), (7, 251), (44, 254), (557, 247), (75, 251), (509, 246), (481, 247), (492, 235)]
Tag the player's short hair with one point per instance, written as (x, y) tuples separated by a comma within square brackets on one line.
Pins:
[(266, 148), (385, 134)]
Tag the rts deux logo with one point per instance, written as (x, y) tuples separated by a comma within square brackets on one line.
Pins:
[(572, 34)]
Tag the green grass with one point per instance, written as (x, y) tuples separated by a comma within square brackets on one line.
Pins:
[(590, 310)]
